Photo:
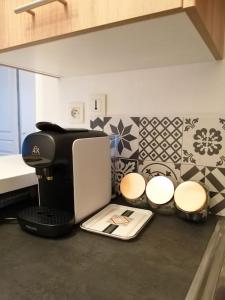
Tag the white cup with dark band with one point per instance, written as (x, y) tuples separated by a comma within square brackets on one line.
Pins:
[(132, 188), (191, 201), (160, 191)]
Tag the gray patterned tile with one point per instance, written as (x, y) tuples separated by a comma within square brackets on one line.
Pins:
[(126, 129), (98, 123), (215, 182), (123, 166), (195, 173), (215, 179), (221, 161), (151, 169), (160, 139), (204, 141), (217, 203)]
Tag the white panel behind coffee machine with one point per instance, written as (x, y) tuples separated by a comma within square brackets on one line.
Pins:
[(92, 175)]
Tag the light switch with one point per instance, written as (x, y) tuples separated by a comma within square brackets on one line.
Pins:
[(98, 104)]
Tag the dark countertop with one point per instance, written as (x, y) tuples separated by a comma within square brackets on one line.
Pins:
[(159, 264)]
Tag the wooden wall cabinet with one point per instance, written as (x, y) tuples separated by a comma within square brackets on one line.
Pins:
[(56, 21), (50, 21)]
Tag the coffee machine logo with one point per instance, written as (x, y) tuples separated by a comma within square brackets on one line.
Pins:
[(36, 150)]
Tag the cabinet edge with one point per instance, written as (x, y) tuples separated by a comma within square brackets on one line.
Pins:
[(202, 26)]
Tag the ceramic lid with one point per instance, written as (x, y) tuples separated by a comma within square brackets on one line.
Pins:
[(160, 190), (132, 186), (190, 196)]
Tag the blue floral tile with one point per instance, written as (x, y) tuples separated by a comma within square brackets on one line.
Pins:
[(204, 141), (126, 130)]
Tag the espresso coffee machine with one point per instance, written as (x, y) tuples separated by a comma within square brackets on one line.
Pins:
[(73, 167)]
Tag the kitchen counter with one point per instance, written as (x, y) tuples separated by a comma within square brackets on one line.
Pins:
[(15, 174), (159, 264)]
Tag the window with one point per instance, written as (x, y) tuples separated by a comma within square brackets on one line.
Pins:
[(17, 108)]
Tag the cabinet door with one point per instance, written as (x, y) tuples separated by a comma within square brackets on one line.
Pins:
[(51, 20), (15, 29), (93, 13), (56, 20)]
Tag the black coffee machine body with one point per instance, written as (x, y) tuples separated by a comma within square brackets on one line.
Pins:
[(52, 152)]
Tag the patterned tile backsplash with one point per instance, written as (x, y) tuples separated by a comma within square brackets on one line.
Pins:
[(127, 129), (152, 168), (181, 148), (203, 140), (160, 139)]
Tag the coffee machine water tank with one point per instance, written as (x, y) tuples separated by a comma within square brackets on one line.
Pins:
[(73, 167)]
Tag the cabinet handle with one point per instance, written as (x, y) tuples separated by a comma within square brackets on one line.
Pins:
[(37, 3)]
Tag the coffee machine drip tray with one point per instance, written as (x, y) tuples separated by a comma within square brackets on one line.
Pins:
[(46, 222)]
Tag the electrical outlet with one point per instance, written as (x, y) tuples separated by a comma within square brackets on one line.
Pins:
[(98, 104), (76, 112)]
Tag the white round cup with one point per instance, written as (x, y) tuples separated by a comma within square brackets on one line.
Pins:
[(132, 188), (160, 191), (191, 201)]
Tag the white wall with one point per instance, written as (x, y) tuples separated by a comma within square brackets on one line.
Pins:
[(47, 99), (196, 88)]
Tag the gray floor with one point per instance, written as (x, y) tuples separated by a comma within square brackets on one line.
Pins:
[(159, 264)]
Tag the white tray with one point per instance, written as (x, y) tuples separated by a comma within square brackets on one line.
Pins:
[(118, 221)]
